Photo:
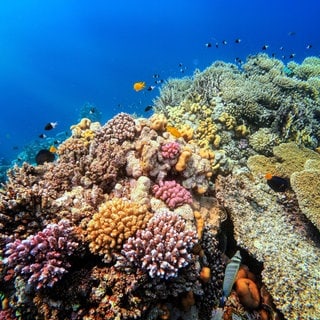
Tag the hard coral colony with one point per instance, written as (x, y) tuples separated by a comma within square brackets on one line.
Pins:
[(125, 223)]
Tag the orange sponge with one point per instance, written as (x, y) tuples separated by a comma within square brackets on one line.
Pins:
[(248, 293)]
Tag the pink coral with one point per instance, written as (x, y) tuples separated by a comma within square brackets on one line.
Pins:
[(162, 248), (170, 150), (172, 193), (41, 258)]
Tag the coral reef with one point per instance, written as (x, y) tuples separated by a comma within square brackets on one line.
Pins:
[(134, 218)]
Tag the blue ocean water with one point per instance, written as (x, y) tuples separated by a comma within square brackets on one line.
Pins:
[(56, 56)]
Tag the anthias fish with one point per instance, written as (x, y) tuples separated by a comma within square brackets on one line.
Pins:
[(138, 86)]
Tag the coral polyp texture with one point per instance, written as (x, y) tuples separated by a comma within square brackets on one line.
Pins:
[(163, 247), (172, 193), (130, 220), (115, 222), (43, 258)]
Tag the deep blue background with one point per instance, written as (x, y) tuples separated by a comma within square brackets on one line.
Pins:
[(57, 55)]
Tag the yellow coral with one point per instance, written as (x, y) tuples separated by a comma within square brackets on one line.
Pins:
[(186, 132), (183, 159), (229, 120), (199, 223), (206, 131), (242, 130), (158, 122), (116, 221), (82, 125)]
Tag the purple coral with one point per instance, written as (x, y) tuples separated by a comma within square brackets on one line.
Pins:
[(170, 150), (161, 248), (41, 258), (172, 193)]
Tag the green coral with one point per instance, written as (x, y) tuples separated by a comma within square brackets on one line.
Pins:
[(310, 67), (263, 140)]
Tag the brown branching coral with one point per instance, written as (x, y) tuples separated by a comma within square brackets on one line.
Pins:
[(114, 296)]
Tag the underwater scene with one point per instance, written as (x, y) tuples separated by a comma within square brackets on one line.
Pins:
[(159, 160)]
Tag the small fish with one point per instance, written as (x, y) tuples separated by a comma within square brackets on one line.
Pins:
[(174, 131), (277, 183), (217, 45), (53, 149), (156, 76), (92, 111), (180, 64), (230, 274), (148, 108), (42, 136), (265, 47), (138, 86), (308, 46), (291, 33), (292, 55), (273, 55), (208, 45), (43, 156), (50, 125), (224, 42), (281, 48), (238, 60), (237, 40), (150, 88), (158, 81)]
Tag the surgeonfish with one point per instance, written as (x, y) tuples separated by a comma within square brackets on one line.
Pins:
[(230, 275), (138, 86)]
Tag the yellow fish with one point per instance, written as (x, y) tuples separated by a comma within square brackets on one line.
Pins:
[(138, 86), (174, 131), (53, 149)]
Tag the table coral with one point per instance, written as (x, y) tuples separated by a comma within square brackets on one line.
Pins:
[(42, 258), (172, 193), (162, 248), (116, 220)]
